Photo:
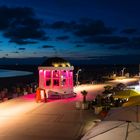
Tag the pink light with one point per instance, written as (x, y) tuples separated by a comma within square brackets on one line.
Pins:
[(40, 70), (48, 74), (67, 74), (29, 97), (71, 73), (44, 71)]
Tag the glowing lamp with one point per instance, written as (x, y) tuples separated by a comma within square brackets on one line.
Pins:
[(40, 70)]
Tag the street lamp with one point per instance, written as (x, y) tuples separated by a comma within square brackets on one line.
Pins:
[(123, 71), (77, 75), (139, 69)]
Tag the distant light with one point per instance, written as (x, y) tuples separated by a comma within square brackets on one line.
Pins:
[(63, 64), (68, 64), (55, 64)]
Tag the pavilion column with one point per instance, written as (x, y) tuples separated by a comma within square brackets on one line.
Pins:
[(51, 79), (67, 78), (44, 78), (41, 78), (71, 78), (59, 78)]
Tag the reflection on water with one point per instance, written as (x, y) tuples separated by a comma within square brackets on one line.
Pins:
[(13, 73)]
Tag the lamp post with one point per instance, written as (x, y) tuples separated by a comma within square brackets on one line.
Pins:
[(123, 71), (77, 75), (139, 69)]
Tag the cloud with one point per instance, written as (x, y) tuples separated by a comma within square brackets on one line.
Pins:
[(20, 24), (15, 52), (93, 28), (116, 47), (68, 3), (79, 45), (133, 44), (50, 47), (129, 31), (60, 25), (61, 38), (21, 48), (22, 42), (47, 46), (63, 25), (77, 42), (84, 27), (107, 40)]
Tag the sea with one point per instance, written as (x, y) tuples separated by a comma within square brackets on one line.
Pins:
[(13, 73)]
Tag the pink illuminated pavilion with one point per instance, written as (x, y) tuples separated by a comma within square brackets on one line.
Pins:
[(56, 78)]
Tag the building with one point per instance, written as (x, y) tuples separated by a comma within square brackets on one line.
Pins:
[(56, 78)]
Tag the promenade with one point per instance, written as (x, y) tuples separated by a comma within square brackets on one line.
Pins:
[(24, 119)]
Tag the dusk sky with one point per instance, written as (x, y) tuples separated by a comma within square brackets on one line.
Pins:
[(94, 30)]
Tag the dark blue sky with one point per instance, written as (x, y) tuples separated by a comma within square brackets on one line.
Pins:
[(94, 30)]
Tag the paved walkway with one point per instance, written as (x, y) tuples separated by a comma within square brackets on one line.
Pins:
[(24, 119)]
